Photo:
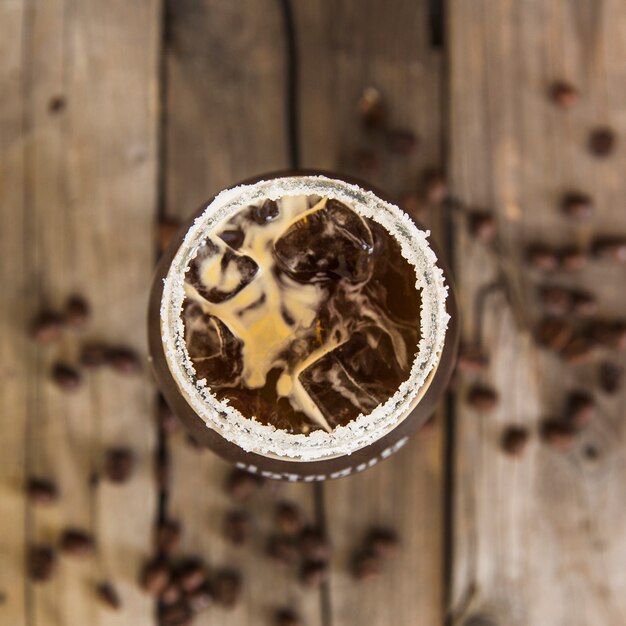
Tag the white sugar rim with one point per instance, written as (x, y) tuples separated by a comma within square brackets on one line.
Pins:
[(267, 440)]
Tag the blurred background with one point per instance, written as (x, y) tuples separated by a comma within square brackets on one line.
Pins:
[(499, 124)]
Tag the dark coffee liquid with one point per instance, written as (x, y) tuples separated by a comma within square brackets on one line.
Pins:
[(301, 313)]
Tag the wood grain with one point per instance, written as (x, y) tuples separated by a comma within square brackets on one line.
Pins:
[(540, 539), (225, 122), (78, 221), (345, 48)]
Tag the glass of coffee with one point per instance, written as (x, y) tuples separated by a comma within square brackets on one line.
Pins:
[(302, 326)]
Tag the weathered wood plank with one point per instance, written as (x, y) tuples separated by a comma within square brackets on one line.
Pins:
[(345, 48), (89, 142), (540, 539), (226, 122)]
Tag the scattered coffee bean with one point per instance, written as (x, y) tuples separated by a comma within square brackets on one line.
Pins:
[(66, 377), (201, 598), (610, 333), (558, 434), (288, 518), (611, 376), (366, 566), (41, 563), (119, 465), (108, 596), (47, 328), (77, 312), (313, 574), (601, 141), (167, 418), (123, 360), (382, 542), (172, 594), (42, 491), (241, 485), (178, 614), (584, 304), (472, 360), (612, 249), (542, 257), (93, 355), (168, 227), (76, 542), (371, 109), (580, 349), (237, 527), (556, 300), (579, 409), (191, 573), (482, 398), (564, 94), (554, 334), (155, 576), (433, 186), (227, 587), (313, 544), (577, 205), (482, 226), (367, 162), (282, 549), (286, 617), (514, 440), (168, 535), (573, 259), (401, 141)]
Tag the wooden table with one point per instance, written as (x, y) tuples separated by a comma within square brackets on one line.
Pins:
[(115, 115)]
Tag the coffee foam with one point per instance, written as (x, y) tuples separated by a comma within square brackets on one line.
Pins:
[(266, 439)]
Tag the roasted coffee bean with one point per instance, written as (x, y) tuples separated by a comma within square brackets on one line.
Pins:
[(313, 574), (168, 535), (282, 549), (482, 398), (514, 440), (240, 485), (47, 327), (178, 614), (168, 227), (108, 596), (611, 376), (172, 594), (372, 111), (167, 417), (366, 566), (556, 300), (155, 576), (482, 226), (573, 259), (119, 465), (42, 491), (237, 527), (579, 409), (554, 334), (123, 360), (542, 257), (472, 360), (93, 355), (286, 617), (66, 377), (77, 312), (580, 349), (612, 249), (382, 542), (313, 544), (288, 517), (577, 205), (191, 573), (401, 141), (601, 141), (200, 598), (564, 94), (227, 587), (76, 542), (558, 434), (433, 186), (584, 304), (41, 563)]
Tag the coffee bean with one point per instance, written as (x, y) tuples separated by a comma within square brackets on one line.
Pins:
[(366, 566), (563, 94), (286, 617), (76, 542), (123, 360), (401, 141), (237, 527), (227, 587), (573, 259), (579, 409), (514, 440), (382, 542), (433, 186), (288, 518), (41, 563), (108, 596), (472, 360), (482, 398), (155, 576), (77, 312), (66, 377), (42, 491), (47, 328), (313, 544), (171, 594), (178, 614), (558, 434), (556, 300), (93, 355), (241, 485), (601, 141), (119, 465), (577, 205), (372, 111), (201, 598), (191, 573), (612, 249), (610, 376), (313, 574), (168, 535), (584, 304), (167, 418), (542, 257), (554, 334), (482, 226), (282, 549), (168, 227)]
